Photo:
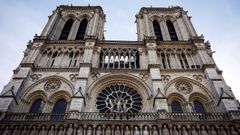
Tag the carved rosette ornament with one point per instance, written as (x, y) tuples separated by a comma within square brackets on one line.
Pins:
[(52, 85), (184, 87)]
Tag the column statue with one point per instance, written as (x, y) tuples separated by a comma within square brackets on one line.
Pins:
[(184, 131), (80, 130), (233, 131), (15, 131), (204, 131), (117, 131), (175, 131), (108, 131), (89, 131), (145, 131), (222, 131), (33, 131), (127, 131), (99, 131), (70, 130), (61, 131), (6, 131), (51, 131), (165, 130), (43, 131), (25, 131), (213, 131), (194, 130), (136, 131), (155, 131)]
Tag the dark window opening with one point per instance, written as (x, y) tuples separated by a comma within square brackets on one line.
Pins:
[(66, 30), (157, 30), (171, 30), (81, 30), (176, 107), (59, 109), (198, 106), (36, 106)]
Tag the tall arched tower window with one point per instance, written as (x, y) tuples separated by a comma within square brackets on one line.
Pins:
[(171, 30), (81, 30), (198, 106), (157, 30), (176, 107), (36, 106), (60, 106), (66, 30)]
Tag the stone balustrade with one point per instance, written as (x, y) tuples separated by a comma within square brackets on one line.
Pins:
[(121, 116)]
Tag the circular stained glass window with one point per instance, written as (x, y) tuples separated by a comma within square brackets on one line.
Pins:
[(119, 98)]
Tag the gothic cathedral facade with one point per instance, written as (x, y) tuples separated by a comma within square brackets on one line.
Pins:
[(71, 81)]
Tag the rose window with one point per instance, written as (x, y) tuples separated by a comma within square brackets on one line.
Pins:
[(183, 87), (119, 98)]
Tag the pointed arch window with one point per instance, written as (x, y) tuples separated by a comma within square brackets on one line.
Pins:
[(59, 109), (176, 107), (82, 30), (66, 30), (157, 30), (60, 106), (36, 106), (198, 106), (171, 30)]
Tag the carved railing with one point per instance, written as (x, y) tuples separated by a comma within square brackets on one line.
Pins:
[(233, 116)]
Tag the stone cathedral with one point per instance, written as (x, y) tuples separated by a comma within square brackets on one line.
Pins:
[(71, 81)]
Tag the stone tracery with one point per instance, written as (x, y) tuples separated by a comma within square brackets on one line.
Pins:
[(119, 98)]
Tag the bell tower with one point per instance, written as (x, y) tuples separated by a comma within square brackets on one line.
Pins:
[(75, 23), (164, 24)]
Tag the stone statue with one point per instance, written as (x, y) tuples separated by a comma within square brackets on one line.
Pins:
[(165, 130), (51, 131), (99, 131), (108, 131), (15, 131), (204, 131), (145, 131), (119, 107), (25, 131), (155, 131), (222, 131), (33, 131), (136, 131), (80, 130), (213, 131), (194, 131), (127, 131), (61, 131), (70, 130), (111, 105), (184, 131), (6, 131), (125, 106), (43, 131), (89, 131), (233, 131), (175, 131), (117, 131)]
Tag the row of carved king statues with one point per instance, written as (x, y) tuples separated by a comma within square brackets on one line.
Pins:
[(107, 129)]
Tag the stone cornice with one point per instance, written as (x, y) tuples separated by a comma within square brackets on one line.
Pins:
[(105, 70), (85, 64), (160, 10), (205, 66), (56, 69), (181, 70)]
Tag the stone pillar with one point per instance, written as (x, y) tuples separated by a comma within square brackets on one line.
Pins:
[(188, 23), (165, 32), (74, 29), (49, 26)]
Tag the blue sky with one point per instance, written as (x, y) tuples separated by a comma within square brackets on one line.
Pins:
[(217, 20)]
